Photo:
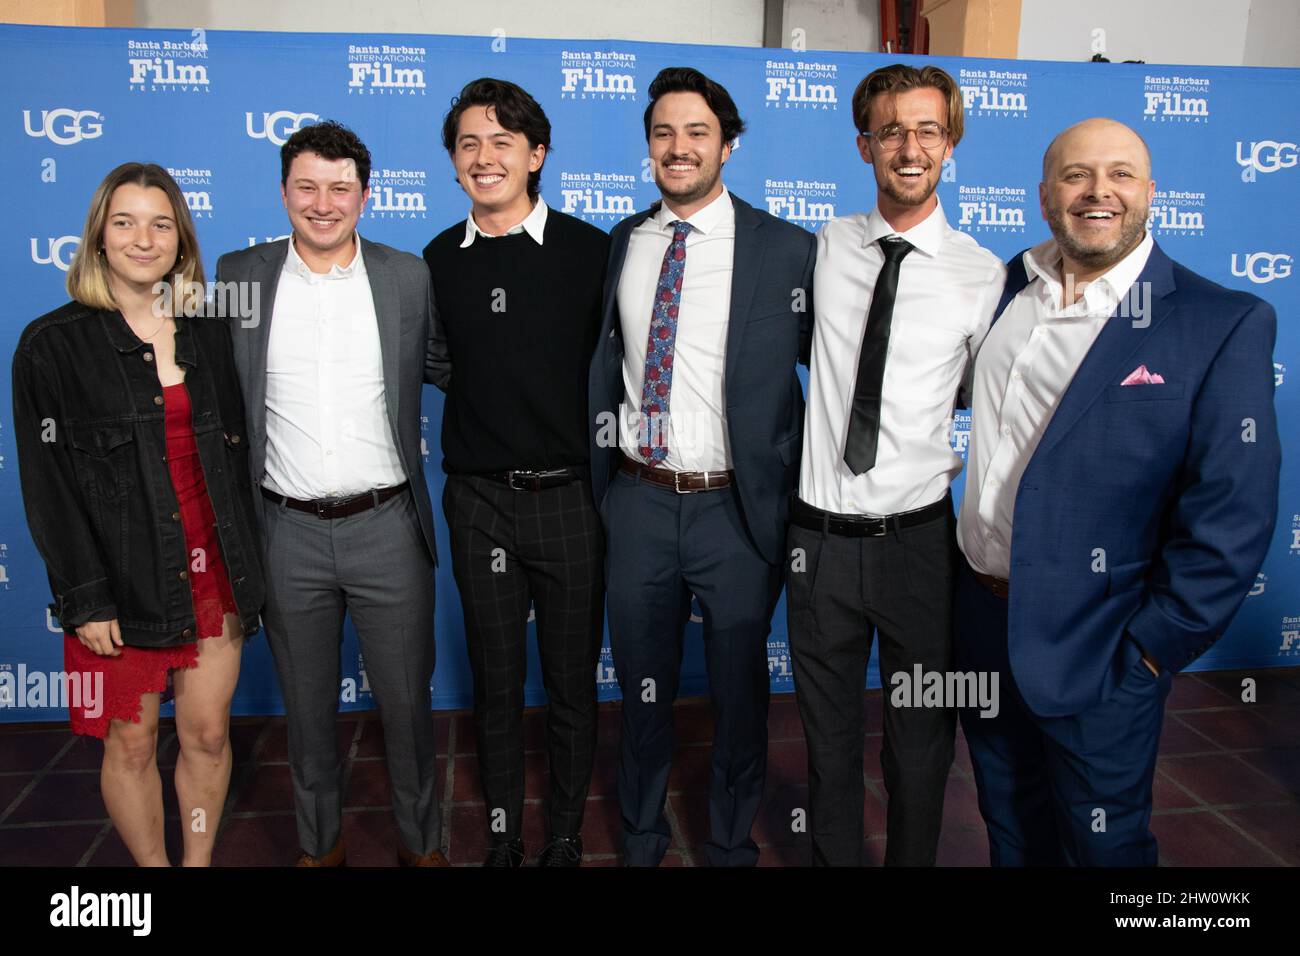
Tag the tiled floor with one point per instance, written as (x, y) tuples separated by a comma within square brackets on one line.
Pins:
[(1227, 788)]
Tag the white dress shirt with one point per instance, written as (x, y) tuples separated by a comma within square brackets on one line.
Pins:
[(948, 287), (1025, 366), (327, 431), (696, 432), (534, 224)]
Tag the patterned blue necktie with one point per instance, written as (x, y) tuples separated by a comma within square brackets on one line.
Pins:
[(657, 382)]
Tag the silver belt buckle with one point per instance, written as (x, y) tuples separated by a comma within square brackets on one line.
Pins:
[(677, 484), (510, 480)]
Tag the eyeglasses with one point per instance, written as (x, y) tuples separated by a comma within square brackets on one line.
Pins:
[(892, 137)]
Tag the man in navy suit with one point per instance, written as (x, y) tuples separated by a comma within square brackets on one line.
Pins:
[(697, 423), (1121, 495)]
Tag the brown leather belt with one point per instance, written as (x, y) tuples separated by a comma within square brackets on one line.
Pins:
[(995, 586), (330, 508), (682, 482)]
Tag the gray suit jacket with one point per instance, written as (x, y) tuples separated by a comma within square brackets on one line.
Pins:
[(412, 355)]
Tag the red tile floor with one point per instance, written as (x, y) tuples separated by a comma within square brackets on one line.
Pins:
[(1227, 788)]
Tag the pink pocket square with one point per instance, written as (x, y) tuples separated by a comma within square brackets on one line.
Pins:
[(1140, 376)]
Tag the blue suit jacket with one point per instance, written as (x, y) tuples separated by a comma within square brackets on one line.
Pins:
[(1163, 479), (766, 338)]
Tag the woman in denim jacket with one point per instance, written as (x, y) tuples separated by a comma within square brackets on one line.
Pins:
[(130, 433)]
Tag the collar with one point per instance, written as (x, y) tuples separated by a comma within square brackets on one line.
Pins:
[(1043, 262), (706, 220), (293, 263), (126, 341), (534, 224), (927, 235)]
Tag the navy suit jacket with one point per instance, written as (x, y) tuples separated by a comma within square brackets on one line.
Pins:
[(1146, 510), (767, 336)]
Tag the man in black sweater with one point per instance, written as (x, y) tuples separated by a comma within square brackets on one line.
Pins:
[(518, 290)]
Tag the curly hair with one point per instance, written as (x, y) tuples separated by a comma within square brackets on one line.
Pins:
[(329, 140)]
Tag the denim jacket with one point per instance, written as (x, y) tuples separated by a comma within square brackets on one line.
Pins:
[(92, 457)]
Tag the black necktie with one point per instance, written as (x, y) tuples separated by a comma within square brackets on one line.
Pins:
[(864, 419)]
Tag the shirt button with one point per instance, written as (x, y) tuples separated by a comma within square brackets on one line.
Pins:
[(176, 516), (157, 399), (1006, 429), (184, 575), (234, 439), (148, 356), (186, 633), (1016, 376)]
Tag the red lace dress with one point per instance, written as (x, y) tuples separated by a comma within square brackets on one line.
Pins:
[(146, 670)]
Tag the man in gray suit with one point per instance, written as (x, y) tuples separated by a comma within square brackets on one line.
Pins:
[(331, 372)]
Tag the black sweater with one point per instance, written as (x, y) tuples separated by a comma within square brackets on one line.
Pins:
[(521, 322)]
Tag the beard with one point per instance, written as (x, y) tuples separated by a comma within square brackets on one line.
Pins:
[(1097, 253), (685, 193), (922, 188)]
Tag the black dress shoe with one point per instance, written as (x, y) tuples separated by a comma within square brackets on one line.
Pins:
[(562, 851), (506, 854)]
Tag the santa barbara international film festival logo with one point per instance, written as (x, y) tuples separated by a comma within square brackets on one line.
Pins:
[(397, 194), (196, 186), (1175, 99), (168, 66), (991, 209), (1177, 212), (597, 75), (804, 202), (384, 70), (800, 85), (995, 93), (961, 432), (63, 126), (598, 197)]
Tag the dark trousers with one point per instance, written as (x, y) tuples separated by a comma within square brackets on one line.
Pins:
[(509, 548), (1058, 791), (662, 548), (839, 592), (374, 566)]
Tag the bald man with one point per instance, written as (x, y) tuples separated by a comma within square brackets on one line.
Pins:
[(1120, 495)]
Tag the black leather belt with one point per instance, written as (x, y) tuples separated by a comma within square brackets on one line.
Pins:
[(864, 526), (533, 480), (329, 508)]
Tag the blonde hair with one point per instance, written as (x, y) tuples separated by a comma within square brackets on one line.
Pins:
[(88, 275), (898, 79)]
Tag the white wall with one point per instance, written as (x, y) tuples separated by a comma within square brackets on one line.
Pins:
[(1273, 36), (724, 22), (1205, 32), (1208, 32)]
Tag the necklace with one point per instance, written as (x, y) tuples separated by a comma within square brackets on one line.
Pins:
[(149, 337)]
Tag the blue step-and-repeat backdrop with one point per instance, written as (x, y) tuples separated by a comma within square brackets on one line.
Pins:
[(214, 108)]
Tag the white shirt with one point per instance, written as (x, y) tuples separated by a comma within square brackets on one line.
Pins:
[(696, 432), (948, 288), (1025, 366), (534, 224), (327, 430)]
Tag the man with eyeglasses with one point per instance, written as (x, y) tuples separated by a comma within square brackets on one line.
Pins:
[(902, 302)]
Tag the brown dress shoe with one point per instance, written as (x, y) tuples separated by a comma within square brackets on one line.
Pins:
[(334, 857), (433, 858)]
